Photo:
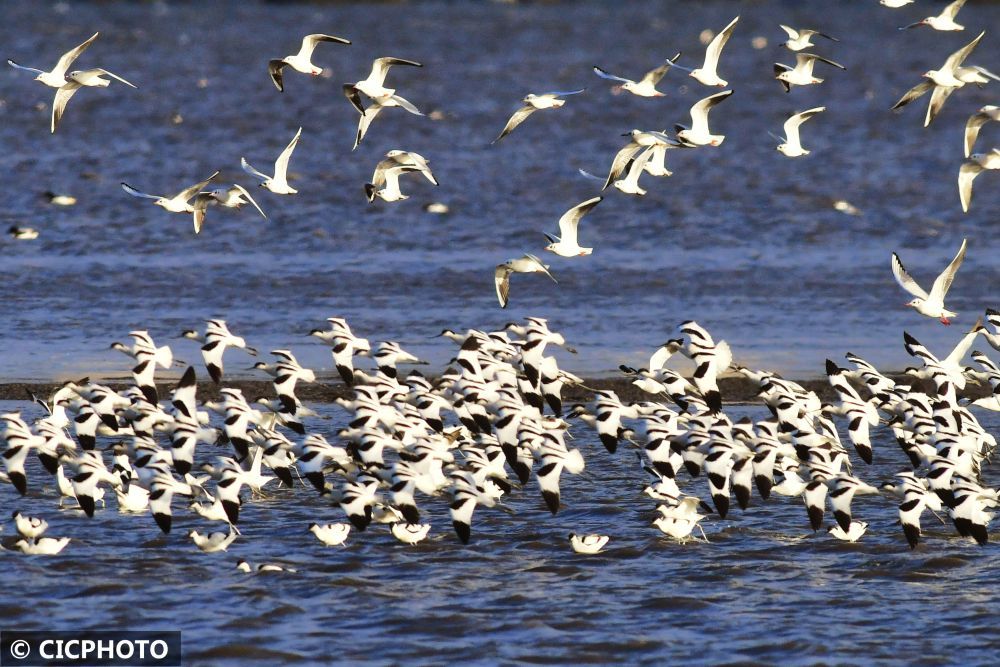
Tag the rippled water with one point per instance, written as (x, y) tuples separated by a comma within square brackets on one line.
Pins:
[(765, 589), (740, 238)]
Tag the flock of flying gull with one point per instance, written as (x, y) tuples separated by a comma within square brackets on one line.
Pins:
[(645, 152), (493, 423)]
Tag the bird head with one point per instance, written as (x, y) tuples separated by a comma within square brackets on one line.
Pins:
[(914, 303)]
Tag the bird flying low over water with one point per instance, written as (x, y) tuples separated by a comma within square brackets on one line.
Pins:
[(644, 87), (374, 87), (699, 134), (385, 179), (91, 78), (56, 77), (565, 245), (930, 305), (278, 184), (802, 73), (975, 165), (233, 197), (533, 103), (708, 74), (802, 38), (526, 264), (301, 61), (944, 81), (943, 21), (179, 203), (791, 146)]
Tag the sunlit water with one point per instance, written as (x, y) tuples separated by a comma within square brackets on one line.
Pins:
[(741, 239)]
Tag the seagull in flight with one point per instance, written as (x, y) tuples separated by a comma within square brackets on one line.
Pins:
[(975, 165), (301, 61), (565, 245), (278, 184), (233, 197), (374, 87), (699, 134), (931, 305), (791, 145), (802, 38), (943, 21), (56, 77), (385, 180), (707, 74), (942, 82), (644, 87), (526, 264), (802, 73), (91, 78), (179, 203), (533, 103)]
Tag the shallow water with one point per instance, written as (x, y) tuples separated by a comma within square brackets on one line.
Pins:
[(743, 240), (764, 589)]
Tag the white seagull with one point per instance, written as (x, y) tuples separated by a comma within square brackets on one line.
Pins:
[(56, 78), (931, 305), (179, 203), (943, 21), (707, 74), (802, 73), (278, 184), (975, 122), (533, 103), (374, 87), (792, 145), (526, 264), (699, 134), (943, 82), (565, 245), (802, 38), (644, 87), (91, 78), (233, 197), (301, 61), (976, 164)]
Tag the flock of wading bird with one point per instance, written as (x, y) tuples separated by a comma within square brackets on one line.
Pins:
[(494, 421), (645, 153)]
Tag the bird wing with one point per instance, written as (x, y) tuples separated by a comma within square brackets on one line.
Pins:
[(113, 76), (351, 93), (564, 93), (610, 77), (191, 191), (366, 119), (913, 93), (952, 10), (135, 193), (699, 112), (938, 97), (515, 120), (26, 69), (621, 160), (243, 191), (957, 58), (791, 126), (199, 217), (67, 58), (309, 43), (905, 280), (253, 172), (811, 58), (281, 164), (62, 98), (653, 76), (975, 122), (406, 105), (791, 32), (274, 68), (943, 282), (381, 67), (966, 174), (714, 49), (571, 218), (501, 279)]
